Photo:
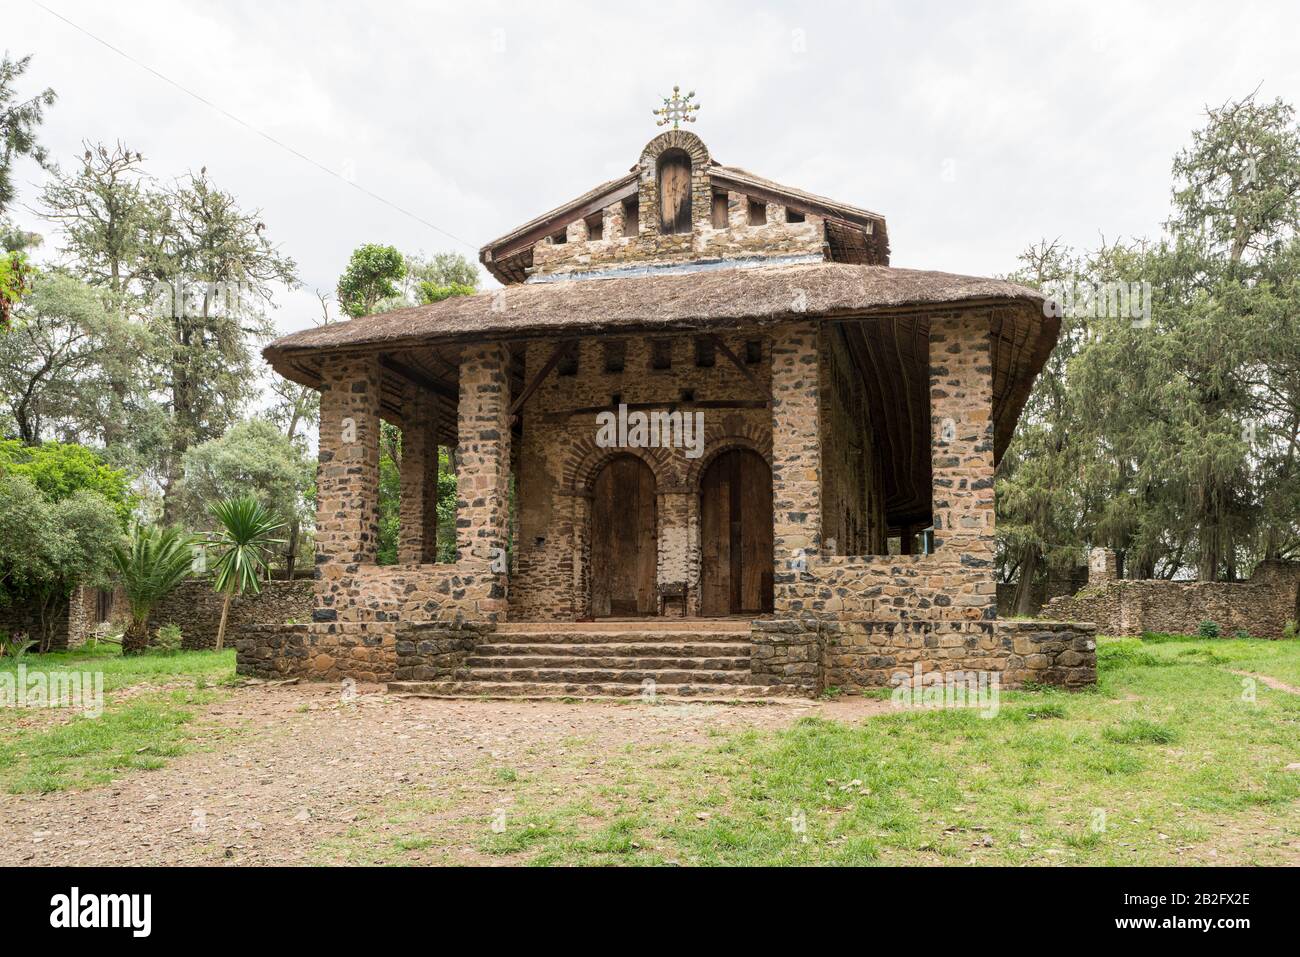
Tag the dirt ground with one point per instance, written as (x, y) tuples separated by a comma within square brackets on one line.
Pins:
[(279, 770)]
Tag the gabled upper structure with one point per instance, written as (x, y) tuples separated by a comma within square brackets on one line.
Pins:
[(678, 205)]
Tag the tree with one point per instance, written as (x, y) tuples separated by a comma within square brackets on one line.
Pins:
[(435, 278), (243, 540), (372, 275), (59, 470), (18, 122), (152, 562), (254, 457), (53, 363), (48, 547)]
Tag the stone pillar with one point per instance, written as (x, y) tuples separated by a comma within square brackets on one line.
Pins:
[(677, 567), (612, 221), (417, 534), (347, 477), (1103, 565), (737, 210), (961, 421), (483, 453), (796, 457), (576, 232), (775, 213)]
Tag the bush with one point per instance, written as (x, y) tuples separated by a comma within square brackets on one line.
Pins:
[(1207, 629), (167, 640), (1289, 630), (1241, 633)]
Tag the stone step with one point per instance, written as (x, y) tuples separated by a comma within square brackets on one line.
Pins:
[(550, 691), (592, 676), (619, 649), (639, 663)]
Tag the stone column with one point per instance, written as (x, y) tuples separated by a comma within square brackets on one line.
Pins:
[(1103, 565), (796, 457), (417, 535), (347, 477), (483, 467), (961, 420)]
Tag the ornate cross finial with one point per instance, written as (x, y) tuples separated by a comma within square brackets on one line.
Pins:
[(677, 109)]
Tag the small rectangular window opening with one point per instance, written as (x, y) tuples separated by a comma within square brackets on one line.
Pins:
[(705, 353), (757, 213)]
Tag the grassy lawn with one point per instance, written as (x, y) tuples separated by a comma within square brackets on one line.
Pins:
[(148, 701), (1166, 762)]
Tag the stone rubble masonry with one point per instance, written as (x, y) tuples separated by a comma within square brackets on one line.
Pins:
[(428, 651), (1103, 565), (560, 460), (1260, 606), (579, 253), (195, 607), (358, 605)]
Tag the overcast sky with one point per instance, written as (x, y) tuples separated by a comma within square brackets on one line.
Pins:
[(974, 128)]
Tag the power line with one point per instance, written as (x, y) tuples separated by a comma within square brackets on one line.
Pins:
[(249, 126)]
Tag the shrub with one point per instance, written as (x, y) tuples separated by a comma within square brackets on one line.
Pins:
[(1207, 629), (1289, 630), (167, 639), (1241, 633)]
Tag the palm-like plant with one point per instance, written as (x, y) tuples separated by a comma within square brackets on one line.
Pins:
[(242, 544), (150, 564)]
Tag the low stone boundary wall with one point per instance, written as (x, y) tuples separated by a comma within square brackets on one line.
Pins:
[(427, 651), (1260, 607), (196, 607), (811, 655), (332, 651)]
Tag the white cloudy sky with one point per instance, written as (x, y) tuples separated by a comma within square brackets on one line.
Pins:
[(975, 128)]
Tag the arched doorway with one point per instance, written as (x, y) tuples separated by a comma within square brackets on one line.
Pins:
[(736, 535), (623, 555)]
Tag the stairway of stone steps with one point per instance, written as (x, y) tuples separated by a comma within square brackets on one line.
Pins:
[(698, 660)]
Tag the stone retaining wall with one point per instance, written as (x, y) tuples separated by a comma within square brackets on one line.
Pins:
[(811, 655), (1260, 607), (195, 606), (362, 651)]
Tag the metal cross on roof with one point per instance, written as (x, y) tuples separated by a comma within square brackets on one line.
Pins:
[(677, 109)]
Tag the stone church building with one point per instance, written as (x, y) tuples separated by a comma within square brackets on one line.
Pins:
[(706, 439)]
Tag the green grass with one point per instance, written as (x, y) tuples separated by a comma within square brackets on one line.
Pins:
[(1164, 761), (148, 702)]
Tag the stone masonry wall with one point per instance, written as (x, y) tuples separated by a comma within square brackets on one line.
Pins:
[(560, 459), (358, 606), (641, 243), (195, 606), (1260, 607)]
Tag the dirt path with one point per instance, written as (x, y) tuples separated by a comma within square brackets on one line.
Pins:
[(302, 766), (1269, 682)]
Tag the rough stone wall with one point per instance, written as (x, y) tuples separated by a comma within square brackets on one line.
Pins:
[(358, 605), (362, 651), (871, 654), (1056, 585), (195, 606), (24, 617), (560, 459), (956, 582), (776, 238), (1260, 607), (865, 602)]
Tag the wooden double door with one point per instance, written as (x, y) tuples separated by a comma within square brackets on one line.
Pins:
[(736, 535)]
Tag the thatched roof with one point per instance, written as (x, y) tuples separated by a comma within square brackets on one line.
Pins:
[(682, 300), (883, 315)]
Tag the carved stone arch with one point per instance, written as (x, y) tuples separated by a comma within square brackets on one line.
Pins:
[(701, 192), (747, 436), (679, 140), (586, 458)]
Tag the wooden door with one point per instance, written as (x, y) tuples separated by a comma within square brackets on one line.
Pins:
[(623, 553), (736, 535), (674, 193)]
